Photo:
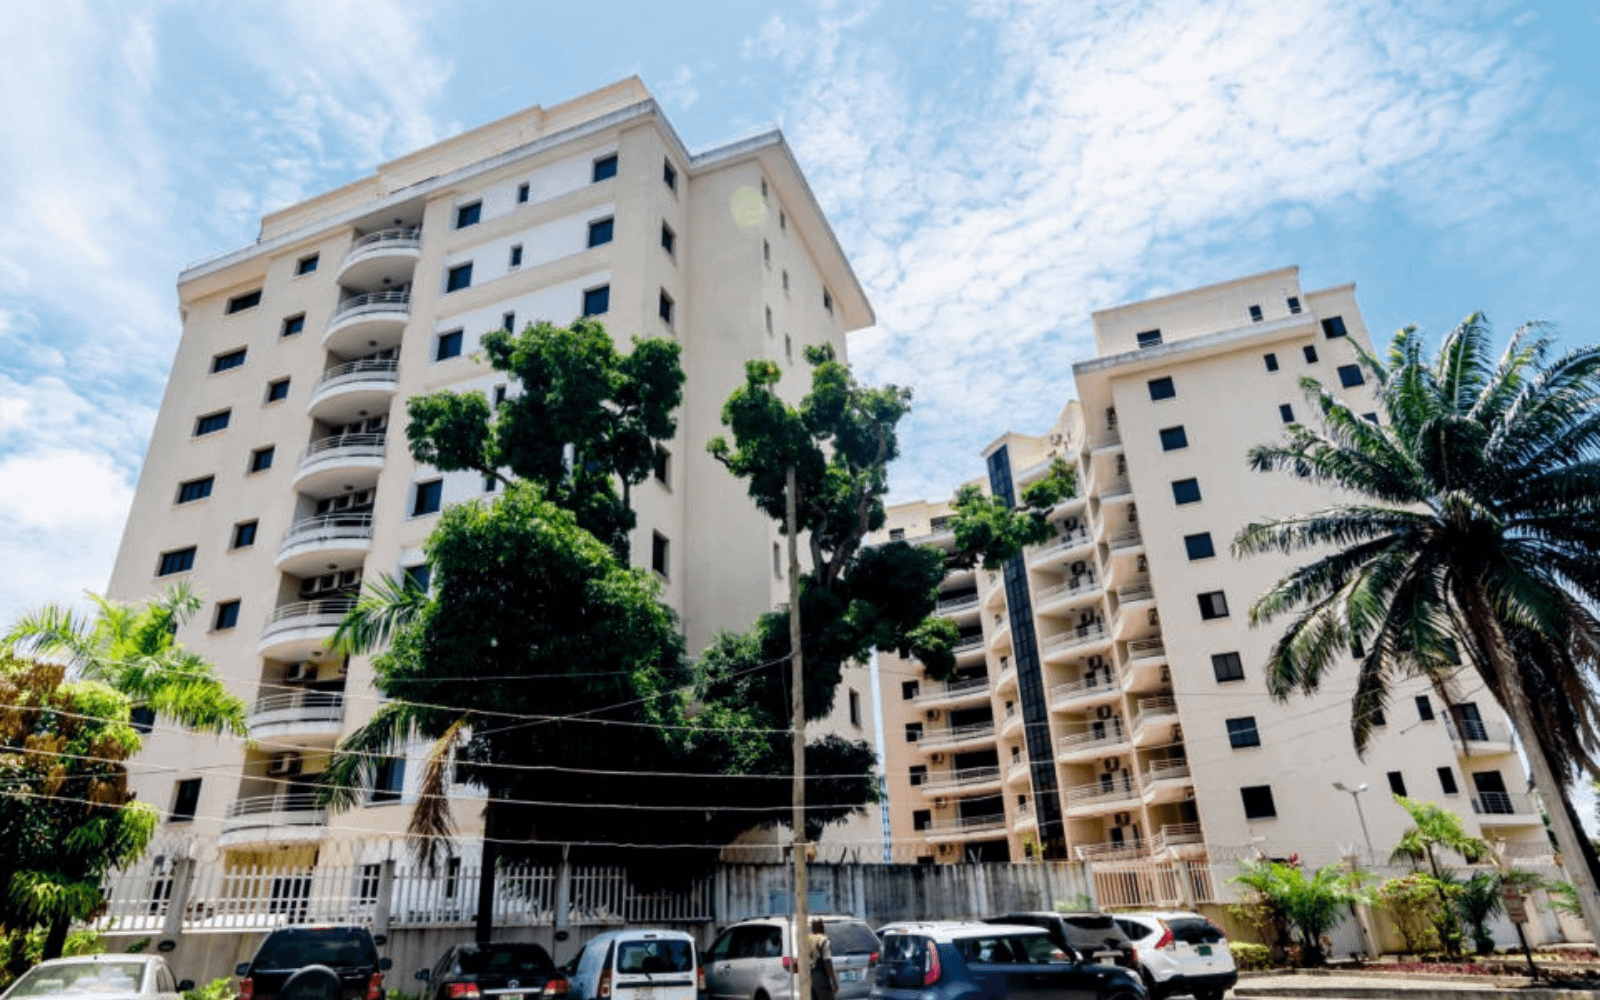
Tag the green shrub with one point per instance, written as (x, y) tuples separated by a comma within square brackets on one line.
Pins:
[(1249, 957), (217, 989)]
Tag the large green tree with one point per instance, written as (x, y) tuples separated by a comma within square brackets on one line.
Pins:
[(1471, 525)]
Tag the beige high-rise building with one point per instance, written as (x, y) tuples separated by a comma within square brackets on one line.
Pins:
[(1110, 701), (278, 474)]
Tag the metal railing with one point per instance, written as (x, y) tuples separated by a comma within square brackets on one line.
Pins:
[(968, 642), (1077, 585), (1152, 708), (1111, 735), (1177, 835), (1116, 789), (1065, 541), (1146, 649), (364, 370), (371, 302), (1503, 804), (1166, 770), (964, 777), (404, 237), (1116, 487), (1126, 539), (1477, 731), (326, 613), (960, 603), (286, 802), (957, 734), (327, 528), (937, 691), (1080, 636), (968, 824), (344, 446), (321, 704), (1135, 592), (1132, 846), (1089, 685)]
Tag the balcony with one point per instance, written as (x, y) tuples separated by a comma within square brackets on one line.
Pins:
[(297, 714), (1144, 664), (301, 630), (962, 689), (1475, 738), (1154, 719), (1062, 549), (1125, 541), (1018, 773), (1104, 796), (1064, 595), (346, 391), (1088, 690), (1135, 621), (387, 253), (1000, 634), (1113, 850), (1110, 738), (957, 605), (1080, 639), (964, 782), (957, 737), (968, 645), (340, 541), (338, 461), (1167, 781), (1176, 836), (1011, 724), (1135, 593), (965, 827), (288, 817), (1506, 809), (363, 322), (1116, 489)]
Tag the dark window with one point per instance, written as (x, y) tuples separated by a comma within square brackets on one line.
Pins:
[(305, 265), (458, 277), (918, 774), (1227, 667), (1185, 491), (1310, 351), (1350, 376), (176, 561), (211, 422), (605, 168), (897, 534), (449, 346), (1149, 338), (1286, 413), (1397, 783), (388, 782), (1162, 388), (419, 576), (909, 689), (516, 256), (293, 325), (1173, 438), (227, 615), (659, 551), (661, 466), (185, 800), (195, 489), (921, 819), (1424, 708), (277, 389), (669, 176), (1255, 314), (499, 394), (1371, 418), (367, 880), (600, 231), (827, 301), (1294, 305), (1333, 327), (508, 322), (1258, 802), (249, 300), (664, 307), (1447, 781), (261, 459), (1199, 546), (468, 215), (855, 708), (1357, 651), (428, 497), (669, 239), (244, 535), (913, 732), (1213, 604), (230, 359), (142, 718), (1271, 360), (597, 301), (1242, 732), (522, 194)]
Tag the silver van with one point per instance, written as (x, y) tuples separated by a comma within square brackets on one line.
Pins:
[(754, 959), (637, 965)]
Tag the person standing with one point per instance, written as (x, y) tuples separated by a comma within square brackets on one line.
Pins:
[(824, 981)]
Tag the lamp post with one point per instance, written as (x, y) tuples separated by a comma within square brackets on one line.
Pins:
[(1355, 796)]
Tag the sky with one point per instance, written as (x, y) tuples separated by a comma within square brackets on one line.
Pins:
[(995, 170)]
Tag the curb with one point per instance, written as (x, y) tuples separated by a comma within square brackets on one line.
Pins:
[(1367, 992)]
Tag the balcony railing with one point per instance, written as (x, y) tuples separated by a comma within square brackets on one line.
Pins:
[(365, 370), (325, 613), (1126, 539), (937, 691), (968, 642), (1083, 635), (1087, 686), (344, 446), (1146, 649), (1116, 486), (1477, 731), (1110, 736), (960, 603), (967, 824), (372, 302), (327, 528), (961, 778), (1503, 804), (317, 703), (957, 734), (1064, 542), (1153, 708), (1116, 789), (1077, 585), (1135, 592), (1129, 847), (302, 803), (403, 238), (1166, 770), (1178, 835)]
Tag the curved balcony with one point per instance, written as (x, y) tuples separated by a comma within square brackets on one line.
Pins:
[(1167, 781), (1154, 719), (1011, 722), (1112, 794), (354, 389), (1018, 773), (299, 630), (1107, 740), (340, 461), (1144, 663), (339, 541), (967, 781), (298, 714), (387, 253), (1063, 596), (1064, 549), (1074, 642), (364, 322), (957, 738), (931, 694), (1026, 819), (993, 588), (968, 648), (1091, 689), (292, 817), (1000, 634), (963, 606)]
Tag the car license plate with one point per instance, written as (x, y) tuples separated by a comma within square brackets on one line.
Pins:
[(645, 993), (1204, 949), (847, 976)]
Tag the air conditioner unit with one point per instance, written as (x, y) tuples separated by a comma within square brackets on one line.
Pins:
[(1122, 819), (937, 758), (1103, 712), (300, 672), (1096, 661), (284, 764), (1111, 763), (940, 802), (944, 848), (932, 714), (1177, 734), (1154, 618), (1079, 568)]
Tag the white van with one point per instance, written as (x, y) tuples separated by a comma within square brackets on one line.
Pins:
[(638, 964)]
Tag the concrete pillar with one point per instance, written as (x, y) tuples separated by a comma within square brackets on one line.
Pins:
[(563, 894), (178, 899), (380, 912)]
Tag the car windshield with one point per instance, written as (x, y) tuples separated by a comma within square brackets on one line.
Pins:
[(296, 949), (80, 979), (523, 959), (850, 937), (1013, 949), (655, 956)]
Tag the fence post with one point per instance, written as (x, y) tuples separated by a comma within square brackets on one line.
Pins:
[(178, 899), (1180, 868), (380, 912), (563, 891), (1086, 867)]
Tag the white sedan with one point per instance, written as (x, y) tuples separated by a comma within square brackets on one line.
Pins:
[(101, 977)]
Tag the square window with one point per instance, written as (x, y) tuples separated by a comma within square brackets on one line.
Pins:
[(176, 561), (227, 615), (664, 307), (1310, 351), (229, 359), (662, 466), (185, 800), (1258, 802), (908, 690), (669, 239), (597, 301), (659, 552), (1227, 667), (418, 577), (293, 325), (387, 783), (600, 231), (1149, 338), (1350, 376), (195, 489), (211, 422), (921, 819), (1213, 605), (468, 215), (917, 774), (1255, 314), (1286, 413), (669, 175), (305, 265), (458, 277), (913, 732), (1294, 305), (522, 193), (605, 168), (142, 718), (261, 459), (490, 481), (1447, 781), (516, 256), (1199, 546), (239, 303), (1272, 361), (427, 498), (1333, 327), (449, 346), (278, 389), (508, 321), (1173, 438), (1424, 708), (1397, 783), (244, 535), (1242, 732), (1185, 491), (1162, 388)]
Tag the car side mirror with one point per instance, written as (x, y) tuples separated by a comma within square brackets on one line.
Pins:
[(242, 969), (380, 939), (906, 974), (423, 974), (385, 963), (185, 985)]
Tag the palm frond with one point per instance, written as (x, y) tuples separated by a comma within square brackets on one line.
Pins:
[(431, 824), (353, 768), (386, 605)]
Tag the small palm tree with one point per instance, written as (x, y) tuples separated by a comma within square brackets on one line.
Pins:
[(133, 648), (1434, 828), (1478, 902), (1310, 906)]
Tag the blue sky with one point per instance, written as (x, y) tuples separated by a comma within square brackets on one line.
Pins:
[(996, 171)]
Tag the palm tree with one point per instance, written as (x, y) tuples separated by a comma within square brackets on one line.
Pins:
[(1309, 906), (1474, 514), (133, 648), (1434, 827), (1478, 902)]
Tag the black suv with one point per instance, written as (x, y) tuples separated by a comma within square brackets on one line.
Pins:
[(942, 960), (315, 963), (1096, 936), (502, 970)]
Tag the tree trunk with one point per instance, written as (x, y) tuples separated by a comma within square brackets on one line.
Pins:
[(56, 940), (484, 932)]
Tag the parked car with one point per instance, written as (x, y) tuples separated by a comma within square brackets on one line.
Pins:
[(104, 977), (945, 960), (1093, 935), (753, 959), (1181, 953), (637, 964), (338, 962), (502, 970)]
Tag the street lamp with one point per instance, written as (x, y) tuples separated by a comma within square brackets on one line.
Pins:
[(1355, 796)]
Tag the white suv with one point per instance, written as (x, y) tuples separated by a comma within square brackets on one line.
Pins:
[(1181, 953)]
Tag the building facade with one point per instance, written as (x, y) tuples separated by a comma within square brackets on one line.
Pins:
[(278, 475), (1109, 701)]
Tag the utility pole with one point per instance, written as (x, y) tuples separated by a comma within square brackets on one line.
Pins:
[(797, 688)]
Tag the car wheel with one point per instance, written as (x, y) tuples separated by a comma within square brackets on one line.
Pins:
[(1150, 984), (314, 982)]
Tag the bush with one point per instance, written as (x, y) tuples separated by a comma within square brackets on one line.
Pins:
[(217, 989), (1249, 957)]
